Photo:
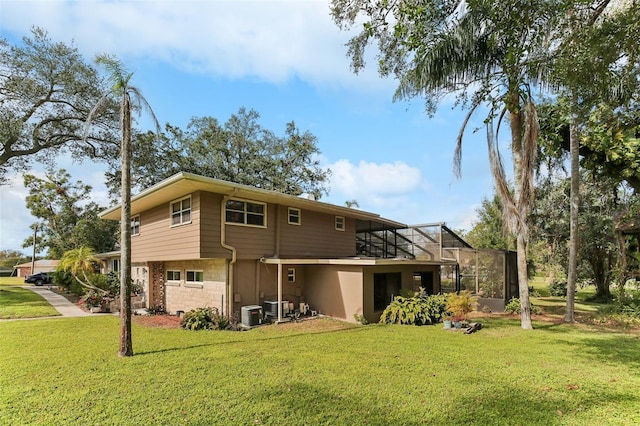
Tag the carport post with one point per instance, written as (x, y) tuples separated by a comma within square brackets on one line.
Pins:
[(279, 292)]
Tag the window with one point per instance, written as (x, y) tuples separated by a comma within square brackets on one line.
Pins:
[(339, 223), (294, 216), (181, 211), (246, 213), (195, 276), (291, 275), (135, 225), (173, 275), (115, 265)]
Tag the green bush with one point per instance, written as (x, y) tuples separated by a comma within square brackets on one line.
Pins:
[(533, 292), (627, 306), (513, 307), (204, 319), (415, 310), (65, 280), (558, 288)]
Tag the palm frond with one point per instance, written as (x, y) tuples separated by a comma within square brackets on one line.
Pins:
[(117, 73), (142, 102)]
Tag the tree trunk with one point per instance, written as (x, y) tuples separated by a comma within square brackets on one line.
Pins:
[(601, 265), (126, 343), (521, 173), (572, 273), (523, 284)]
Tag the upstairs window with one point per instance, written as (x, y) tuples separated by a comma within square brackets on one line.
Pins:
[(246, 213), (181, 211), (294, 216), (339, 223), (135, 225)]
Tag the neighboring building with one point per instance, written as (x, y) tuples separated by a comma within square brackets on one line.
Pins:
[(42, 265), (198, 241)]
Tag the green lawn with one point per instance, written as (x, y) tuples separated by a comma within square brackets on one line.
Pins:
[(66, 371), (11, 281), (16, 302)]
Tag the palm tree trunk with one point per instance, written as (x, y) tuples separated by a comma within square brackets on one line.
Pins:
[(519, 226), (126, 342), (572, 272)]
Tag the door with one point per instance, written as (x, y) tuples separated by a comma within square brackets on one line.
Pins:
[(424, 280)]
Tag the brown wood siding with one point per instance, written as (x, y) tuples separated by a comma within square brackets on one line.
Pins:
[(252, 242), (316, 236), (158, 240), (210, 227)]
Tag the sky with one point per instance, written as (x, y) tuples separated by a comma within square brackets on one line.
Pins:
[(286, 60)]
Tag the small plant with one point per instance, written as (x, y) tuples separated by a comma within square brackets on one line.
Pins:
[(92, 299), (156, 310), (533, 292), (360, 319), (513, 307), (558, 288), (460, 304), (204, 319)]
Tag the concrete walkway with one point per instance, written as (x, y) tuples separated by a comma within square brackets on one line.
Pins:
[(62, 305)]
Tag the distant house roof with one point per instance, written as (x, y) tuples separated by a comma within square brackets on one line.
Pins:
[(183, 183), (42, 263)]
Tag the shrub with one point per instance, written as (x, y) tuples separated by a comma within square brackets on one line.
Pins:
[(93, 298), (204, 319), (513, 307), (155, 310), (627, 306), (558, 288), (65, 280), (460, 304), (415, 310), (360, 319), (533, 292)]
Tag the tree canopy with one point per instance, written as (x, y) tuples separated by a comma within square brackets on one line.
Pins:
[(67, 217), (240, 150), (46, 92)]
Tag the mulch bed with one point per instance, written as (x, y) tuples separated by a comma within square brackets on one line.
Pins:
[(157, 321)]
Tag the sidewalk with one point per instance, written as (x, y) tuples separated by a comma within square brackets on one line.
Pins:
[(62, 305)]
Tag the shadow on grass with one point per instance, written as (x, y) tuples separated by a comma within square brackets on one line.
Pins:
[(612, 349), (340, 404), (283, 336)]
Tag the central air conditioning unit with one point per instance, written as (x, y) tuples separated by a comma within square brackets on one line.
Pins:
[(271, 308), (251, 316)]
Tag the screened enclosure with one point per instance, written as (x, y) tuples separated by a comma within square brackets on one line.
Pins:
[(491, 274)]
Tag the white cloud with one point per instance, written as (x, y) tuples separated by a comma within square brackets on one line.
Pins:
[(15, 218), (376, 182), (270, 40)]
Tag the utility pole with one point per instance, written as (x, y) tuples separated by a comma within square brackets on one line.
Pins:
[(33, 255)]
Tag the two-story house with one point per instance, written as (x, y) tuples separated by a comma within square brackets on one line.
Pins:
[(198, 241)]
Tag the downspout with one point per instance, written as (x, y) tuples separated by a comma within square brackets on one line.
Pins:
[(223, 243)]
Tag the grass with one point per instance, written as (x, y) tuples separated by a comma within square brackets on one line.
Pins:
[(16, 302), (320, 372), (11, 281)]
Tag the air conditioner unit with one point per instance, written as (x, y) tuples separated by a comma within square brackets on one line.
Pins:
[(251, 316), (271, 308)]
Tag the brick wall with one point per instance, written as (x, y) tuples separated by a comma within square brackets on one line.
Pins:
[(185, 296)]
